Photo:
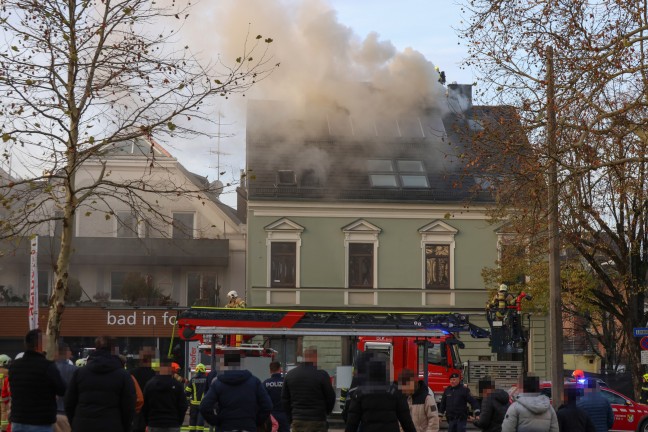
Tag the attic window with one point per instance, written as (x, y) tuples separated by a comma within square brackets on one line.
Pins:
[(309, 178), (484, 183), (401, 173), (286, 178), (381, 173), (412, 174)]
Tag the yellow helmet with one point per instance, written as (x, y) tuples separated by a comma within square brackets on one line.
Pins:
[(200, 368), (645, 377)]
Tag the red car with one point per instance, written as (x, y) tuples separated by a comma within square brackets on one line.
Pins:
[(629, 416)]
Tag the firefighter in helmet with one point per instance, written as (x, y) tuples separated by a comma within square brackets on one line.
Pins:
[(234, 300), (643, 398), (500, 302), (175, 369), (4, 404), (195, 390)]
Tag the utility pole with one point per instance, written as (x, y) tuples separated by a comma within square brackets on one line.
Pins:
[(555, 301)]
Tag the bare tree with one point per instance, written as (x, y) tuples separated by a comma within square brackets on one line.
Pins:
[(79, 77), (601, 86)]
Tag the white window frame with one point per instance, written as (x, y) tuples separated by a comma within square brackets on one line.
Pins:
[(284, 230), (438, 233), (361, 231)]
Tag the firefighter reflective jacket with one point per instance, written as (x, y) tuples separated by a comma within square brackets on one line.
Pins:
[(196, 388)]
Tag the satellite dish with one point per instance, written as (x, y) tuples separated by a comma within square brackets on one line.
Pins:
[(216, 187)]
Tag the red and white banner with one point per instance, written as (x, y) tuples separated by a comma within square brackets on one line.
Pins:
[(33, 285)]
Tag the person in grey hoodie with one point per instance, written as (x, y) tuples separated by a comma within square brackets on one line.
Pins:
[(531, 412)]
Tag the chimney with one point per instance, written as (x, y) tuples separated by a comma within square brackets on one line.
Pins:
[(459, 97)]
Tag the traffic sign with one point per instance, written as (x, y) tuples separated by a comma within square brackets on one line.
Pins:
[(644, 357), (640, 331), (644, 343)]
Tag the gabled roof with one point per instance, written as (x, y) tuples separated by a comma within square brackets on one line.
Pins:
[(327, 153)]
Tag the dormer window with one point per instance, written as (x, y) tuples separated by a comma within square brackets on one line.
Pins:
[(286, 178)]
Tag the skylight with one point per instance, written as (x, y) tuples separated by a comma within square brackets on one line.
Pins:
[(384, 173)]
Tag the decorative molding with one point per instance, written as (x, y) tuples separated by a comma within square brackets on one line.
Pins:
[(438, 232), (284, 230)]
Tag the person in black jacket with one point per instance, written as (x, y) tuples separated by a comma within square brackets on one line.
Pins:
[(101, 395), (307, 395), (571, 418), (494, 404), (454, 404), (143, 373), (35, 382), (377, 404), (236, 400), (165, 403)]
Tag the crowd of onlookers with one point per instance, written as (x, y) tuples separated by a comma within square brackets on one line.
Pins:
[(39, 395)]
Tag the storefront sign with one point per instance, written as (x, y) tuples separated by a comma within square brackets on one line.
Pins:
[(139, 318), (91, 321)]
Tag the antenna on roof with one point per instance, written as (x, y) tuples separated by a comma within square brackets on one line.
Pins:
[(218, 143)]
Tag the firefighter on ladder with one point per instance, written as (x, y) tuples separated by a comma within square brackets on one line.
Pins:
[(195, 390)]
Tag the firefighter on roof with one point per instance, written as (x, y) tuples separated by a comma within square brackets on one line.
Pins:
[(234, 300), (195, 390)]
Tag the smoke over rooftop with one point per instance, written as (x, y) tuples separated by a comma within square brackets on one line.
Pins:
[(322, 60)]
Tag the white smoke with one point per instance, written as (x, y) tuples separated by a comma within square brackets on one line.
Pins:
[(322, 61)]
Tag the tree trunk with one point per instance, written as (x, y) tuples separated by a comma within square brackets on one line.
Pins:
[(60, 290)]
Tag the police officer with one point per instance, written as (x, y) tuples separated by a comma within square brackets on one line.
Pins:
[(454, 404), (274, 385), (195, 390)]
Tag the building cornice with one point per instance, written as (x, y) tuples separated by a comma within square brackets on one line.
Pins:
[(366, 210)]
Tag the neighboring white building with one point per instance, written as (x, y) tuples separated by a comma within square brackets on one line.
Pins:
[(189, 246)]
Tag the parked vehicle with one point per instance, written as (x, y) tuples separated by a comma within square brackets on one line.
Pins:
[(629, 416)]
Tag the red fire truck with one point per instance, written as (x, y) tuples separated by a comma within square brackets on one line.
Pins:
[(410, 339)]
